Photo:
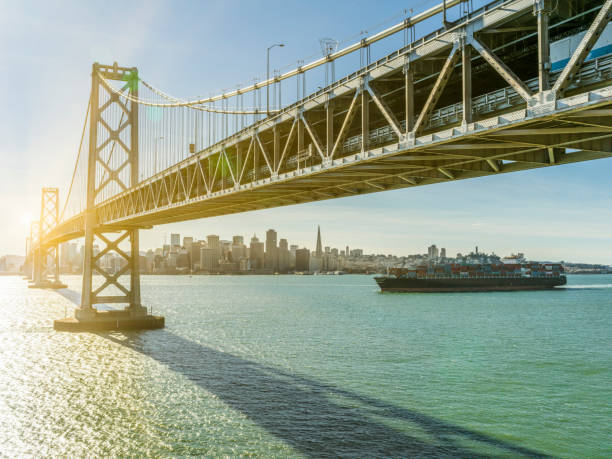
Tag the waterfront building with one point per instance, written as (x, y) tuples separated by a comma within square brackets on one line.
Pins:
[(209, 260), (283, 256), (292, 250), (196, 248), (226, 249), (302, 260), (212, 242), (316, 263), (432, 252), (239, 251), (256, 254), (271, 256)]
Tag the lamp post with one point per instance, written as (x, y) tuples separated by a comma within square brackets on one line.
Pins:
[(280, 45)]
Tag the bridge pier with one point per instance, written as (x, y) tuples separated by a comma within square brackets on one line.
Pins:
[(110, 134)]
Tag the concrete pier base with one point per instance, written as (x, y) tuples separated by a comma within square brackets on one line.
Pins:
[(126, 319), (48, 284)]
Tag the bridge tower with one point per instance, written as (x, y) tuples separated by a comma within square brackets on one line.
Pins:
[(32, 240), (112, 160), (46, 256)]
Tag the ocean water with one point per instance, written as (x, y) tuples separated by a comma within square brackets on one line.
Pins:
[(311, 366)]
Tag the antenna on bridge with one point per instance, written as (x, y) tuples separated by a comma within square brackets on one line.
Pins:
[(329, 47)]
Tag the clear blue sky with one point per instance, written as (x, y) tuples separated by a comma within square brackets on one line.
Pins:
[(191, 48)]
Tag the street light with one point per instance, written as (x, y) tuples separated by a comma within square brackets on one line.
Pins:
[(155, 164), (280, 45)]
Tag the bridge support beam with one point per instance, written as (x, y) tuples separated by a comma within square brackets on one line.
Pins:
[(409, 97), (542, 11), (104, 140), (365, 121), (466, 66)]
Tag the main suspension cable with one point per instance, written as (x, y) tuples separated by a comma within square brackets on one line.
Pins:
[(76, 165)]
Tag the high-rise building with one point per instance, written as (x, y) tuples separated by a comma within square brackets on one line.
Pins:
[(195, 254), (256, 253), (212, 241), (237, 240), (284, 256), (209, 261), (175, 240), (187, 242), (319, 249), (442, 252), (292, 249), (432, 252), (271, 257), (302, 260)]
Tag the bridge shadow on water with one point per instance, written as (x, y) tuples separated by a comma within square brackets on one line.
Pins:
[(315, 418)]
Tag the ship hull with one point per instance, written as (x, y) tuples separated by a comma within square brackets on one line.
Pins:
[(404, 285)]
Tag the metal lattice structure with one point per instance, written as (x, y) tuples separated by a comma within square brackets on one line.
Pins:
[(113, 158), (46, 253), (477, 97)]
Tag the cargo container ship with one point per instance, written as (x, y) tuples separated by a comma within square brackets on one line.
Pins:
[(473, 278)]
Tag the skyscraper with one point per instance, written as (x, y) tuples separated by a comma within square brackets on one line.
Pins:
[(175, 240), (271, 258), (212, 242), (284, 257), (256, 253), (302, 260), (319, 250)]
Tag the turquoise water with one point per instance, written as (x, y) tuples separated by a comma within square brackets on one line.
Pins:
[(311, 366)]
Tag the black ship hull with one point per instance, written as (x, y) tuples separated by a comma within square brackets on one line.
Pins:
[(471, 284)]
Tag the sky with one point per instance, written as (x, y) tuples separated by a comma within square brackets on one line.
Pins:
[(198, 47)]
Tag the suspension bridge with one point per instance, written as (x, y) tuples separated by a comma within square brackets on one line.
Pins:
[(513, 85)]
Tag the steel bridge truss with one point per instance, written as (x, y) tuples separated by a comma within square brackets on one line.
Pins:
[(380, 128), (412, 118)]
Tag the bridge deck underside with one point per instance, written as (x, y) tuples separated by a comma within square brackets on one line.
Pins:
[(361, 136)]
